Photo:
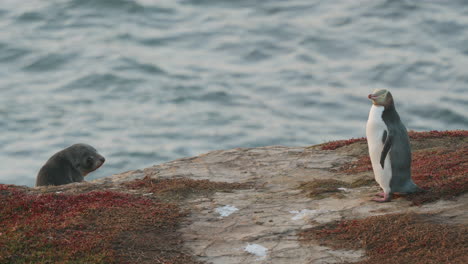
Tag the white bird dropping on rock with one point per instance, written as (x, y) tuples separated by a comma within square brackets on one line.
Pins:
[(257, 250), (226, 210), (306, 213)]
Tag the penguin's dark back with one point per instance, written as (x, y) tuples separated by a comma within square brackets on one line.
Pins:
[(400, 152)]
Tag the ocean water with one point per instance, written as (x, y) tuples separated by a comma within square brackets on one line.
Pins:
[(149, 81)]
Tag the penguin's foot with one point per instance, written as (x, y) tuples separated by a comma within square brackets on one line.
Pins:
[(380, 194), (387, 197)]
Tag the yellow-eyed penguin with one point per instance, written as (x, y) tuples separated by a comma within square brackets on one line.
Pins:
[(389, 147)]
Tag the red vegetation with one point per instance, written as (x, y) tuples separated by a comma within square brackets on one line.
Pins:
[(332, 145), (98, 226), (443, 172), (363, 164), (437, 134), (86, 228), (397, 238)]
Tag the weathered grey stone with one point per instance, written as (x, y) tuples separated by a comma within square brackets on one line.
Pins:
[(273, 212)]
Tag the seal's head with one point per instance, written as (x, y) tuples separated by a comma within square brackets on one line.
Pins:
[(85, 158), (381, 97)]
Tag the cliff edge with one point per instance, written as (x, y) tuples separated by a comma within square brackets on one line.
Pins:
[(251, 205)]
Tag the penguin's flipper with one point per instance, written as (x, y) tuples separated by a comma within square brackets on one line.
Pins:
[(386, 148), (384, 136)]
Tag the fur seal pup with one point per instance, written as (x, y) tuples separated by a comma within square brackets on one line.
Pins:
[(389, 147), (69, 165)]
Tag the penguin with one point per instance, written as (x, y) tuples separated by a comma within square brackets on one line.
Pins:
[(389, 147)]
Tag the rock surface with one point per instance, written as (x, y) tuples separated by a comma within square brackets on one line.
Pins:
[(261, 224)]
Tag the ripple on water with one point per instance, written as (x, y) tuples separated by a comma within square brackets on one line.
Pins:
[(31, 16), (332, 48), (212, 97), (123, 5), (148, 81), (11, 54), (391, 9), (442, 114), (49, 62), (130, 64), (459, 101), (100, 81)]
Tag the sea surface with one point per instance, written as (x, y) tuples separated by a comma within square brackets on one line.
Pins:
[(149, 81)]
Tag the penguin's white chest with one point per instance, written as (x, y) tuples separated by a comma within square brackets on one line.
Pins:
[(375, 129)]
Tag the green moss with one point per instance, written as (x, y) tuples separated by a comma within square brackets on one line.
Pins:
[(177, 189), (323, 188), (361, 182)]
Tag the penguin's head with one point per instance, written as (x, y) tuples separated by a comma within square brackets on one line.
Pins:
[(381, 97)]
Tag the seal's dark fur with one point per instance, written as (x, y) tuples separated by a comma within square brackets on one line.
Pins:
[(69, 165)]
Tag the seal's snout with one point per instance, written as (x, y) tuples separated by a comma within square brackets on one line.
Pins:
[(102, 159)]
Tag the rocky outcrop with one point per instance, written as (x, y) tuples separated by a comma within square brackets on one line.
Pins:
[(260, 224), (249, 205)]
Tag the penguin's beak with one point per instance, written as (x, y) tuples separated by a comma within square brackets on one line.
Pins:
[(372, 96)]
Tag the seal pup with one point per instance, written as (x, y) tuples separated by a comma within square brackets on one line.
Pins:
[(69, 165), (389, 147)]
